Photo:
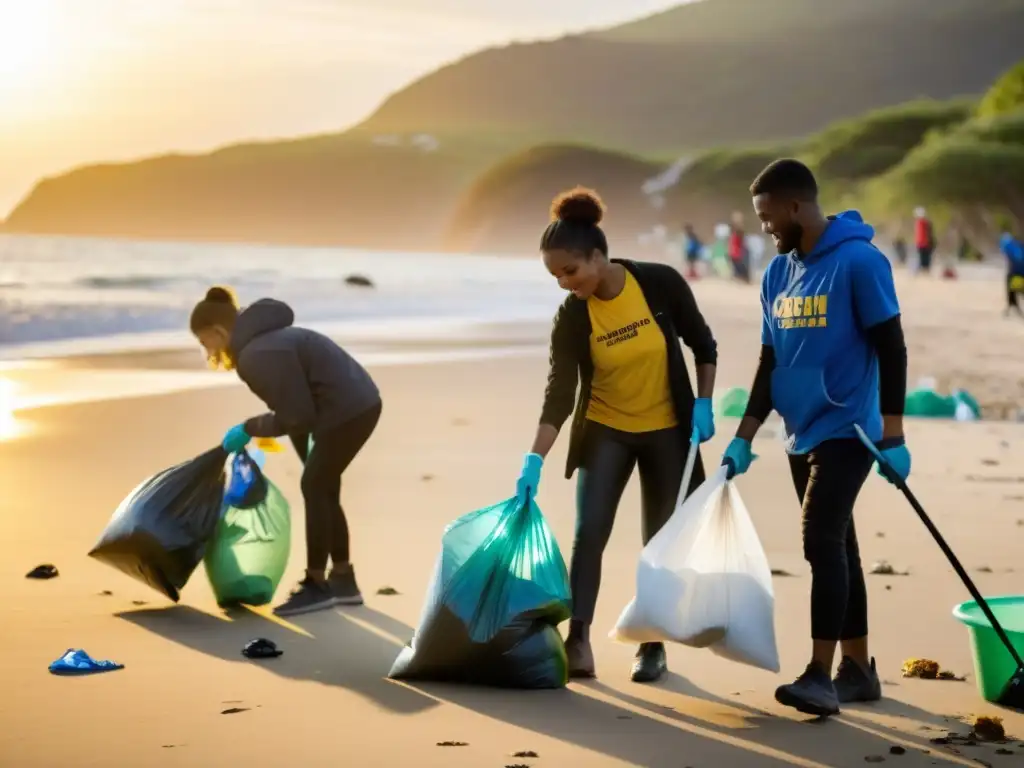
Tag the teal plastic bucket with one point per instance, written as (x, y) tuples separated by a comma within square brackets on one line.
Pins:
[(993, 664)]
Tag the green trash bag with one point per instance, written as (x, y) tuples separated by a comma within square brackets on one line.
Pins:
[(498, 592), (733, 404), (249, 551), (929, 404)]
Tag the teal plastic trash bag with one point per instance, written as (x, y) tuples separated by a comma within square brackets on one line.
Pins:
[(159, 533), (498, 592), (248, 554)]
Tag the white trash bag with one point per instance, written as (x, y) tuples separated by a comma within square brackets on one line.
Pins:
[(704, 581)]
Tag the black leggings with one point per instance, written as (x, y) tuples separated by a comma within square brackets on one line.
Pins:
[(828, 480), (608, 460), (326, 526)]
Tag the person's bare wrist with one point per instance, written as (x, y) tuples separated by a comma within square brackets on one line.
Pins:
[(892, 426)]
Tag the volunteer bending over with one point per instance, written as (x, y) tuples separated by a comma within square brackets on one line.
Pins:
[(832, 358), (313, 388), (617, 335)]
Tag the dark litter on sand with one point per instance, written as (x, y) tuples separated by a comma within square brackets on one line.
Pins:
[(883, 568), (234, 710), (781, 572), (44, 571), (525, 753), (897, 750), (261, 648), (388, 591)]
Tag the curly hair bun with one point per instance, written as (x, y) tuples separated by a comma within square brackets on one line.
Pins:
[(218, 294), (579, 206)]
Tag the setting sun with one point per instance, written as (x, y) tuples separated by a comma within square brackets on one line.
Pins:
[(25, 40)]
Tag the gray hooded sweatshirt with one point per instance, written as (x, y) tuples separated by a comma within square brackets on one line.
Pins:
[(310, 384)]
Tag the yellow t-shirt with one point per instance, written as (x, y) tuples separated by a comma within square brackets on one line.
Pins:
[(630, 391)]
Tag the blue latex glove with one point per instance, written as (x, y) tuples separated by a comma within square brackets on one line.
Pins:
[(896, 454), (529, 478), (738, 456), (235, 439), (703, 419), (78, 662)]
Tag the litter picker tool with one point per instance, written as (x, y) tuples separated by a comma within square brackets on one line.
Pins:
[(1013, 694)]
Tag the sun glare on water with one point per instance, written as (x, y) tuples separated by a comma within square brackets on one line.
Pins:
[(26, 49), (9, 424)]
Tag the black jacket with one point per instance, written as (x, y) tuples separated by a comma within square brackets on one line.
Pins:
[(310, 384), (675, 311)]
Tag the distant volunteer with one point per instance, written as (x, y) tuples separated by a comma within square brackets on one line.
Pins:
[(832, 357), (616, 336), (1013, 250), (313, 388)]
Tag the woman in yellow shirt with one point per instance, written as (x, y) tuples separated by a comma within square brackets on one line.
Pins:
[(617, 336)]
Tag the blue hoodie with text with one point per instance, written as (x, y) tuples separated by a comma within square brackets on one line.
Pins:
[(1013, 250), (816, 309)]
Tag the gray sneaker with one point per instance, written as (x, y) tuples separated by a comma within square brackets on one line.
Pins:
[(309, 596), (342, 582), (812, 693), (855, 684)]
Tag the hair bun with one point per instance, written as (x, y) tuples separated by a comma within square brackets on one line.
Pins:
[(579, 206), (218, 294)]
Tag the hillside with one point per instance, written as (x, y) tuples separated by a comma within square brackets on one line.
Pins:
[(705, 74), (505, 208), (720, 71)]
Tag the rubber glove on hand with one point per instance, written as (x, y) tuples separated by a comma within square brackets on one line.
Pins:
[(896, 454), (235, 439), (738, 457), (703, 419), (529, 478)]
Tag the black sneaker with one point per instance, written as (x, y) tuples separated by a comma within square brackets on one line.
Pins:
[(309, 596), (343, 586), (581, 658), (650, 663), (853, 683), (812, 693)]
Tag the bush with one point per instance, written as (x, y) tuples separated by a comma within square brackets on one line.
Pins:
[(858, 149), (961, 172), (1006, 94), (1006, 128)]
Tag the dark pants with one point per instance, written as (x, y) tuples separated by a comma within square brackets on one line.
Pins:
[(326, 526), (608, 460), (828, 480), (924, 258)]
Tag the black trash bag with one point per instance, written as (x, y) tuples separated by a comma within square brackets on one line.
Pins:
[(498, 592), (158, 534)]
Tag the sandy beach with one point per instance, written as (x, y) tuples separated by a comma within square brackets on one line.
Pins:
[(450, 441)]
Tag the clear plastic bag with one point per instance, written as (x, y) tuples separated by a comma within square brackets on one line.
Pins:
[(704, 581)]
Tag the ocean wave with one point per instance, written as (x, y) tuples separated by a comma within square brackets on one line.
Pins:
[(126, 282)]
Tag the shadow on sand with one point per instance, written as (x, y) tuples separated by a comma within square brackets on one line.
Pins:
[(325, 648), (354, 649)]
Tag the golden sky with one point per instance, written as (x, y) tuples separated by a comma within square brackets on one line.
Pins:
[(90, 80)]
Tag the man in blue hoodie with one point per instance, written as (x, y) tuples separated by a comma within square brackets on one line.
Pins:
[(1013, 250), (832, 357)]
